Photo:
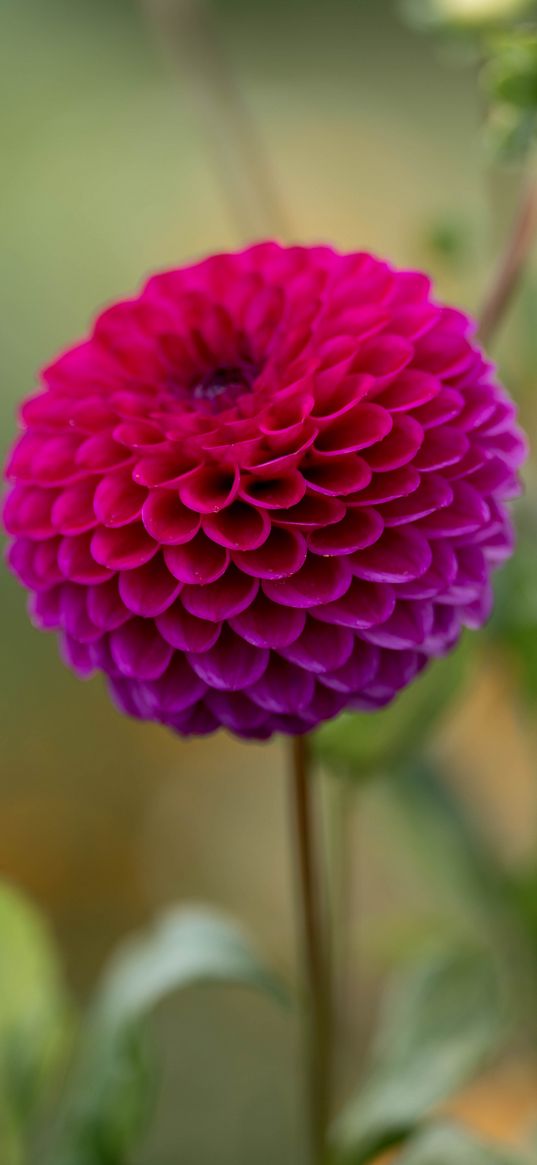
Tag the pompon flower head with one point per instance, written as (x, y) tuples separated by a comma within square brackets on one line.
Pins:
[(271, 487)]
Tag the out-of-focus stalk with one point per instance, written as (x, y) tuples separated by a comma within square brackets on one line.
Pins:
[(316, 960), (188, 33), (512, 262)]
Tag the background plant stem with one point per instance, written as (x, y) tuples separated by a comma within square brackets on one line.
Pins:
[(187, 31), (316, 967), (512, 262)]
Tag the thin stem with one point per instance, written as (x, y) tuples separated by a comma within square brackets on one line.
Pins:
[(316, 966), (188, 32), (512, 263)]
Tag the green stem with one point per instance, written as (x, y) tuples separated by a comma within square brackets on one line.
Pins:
[(318, 1010)]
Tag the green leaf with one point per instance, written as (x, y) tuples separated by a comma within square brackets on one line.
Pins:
[(184, 948), (35, 1017), (114, 1086), (514, 623), (451, 1145), (441, 1023), (463, 15), (359, 744), (466, 877)]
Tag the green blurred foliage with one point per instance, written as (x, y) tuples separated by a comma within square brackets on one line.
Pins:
[(451, 1145), (465, 16), (359, 744), (514, 625), (109, 1087), (442, 1022), (35, 1020), (509, 83)]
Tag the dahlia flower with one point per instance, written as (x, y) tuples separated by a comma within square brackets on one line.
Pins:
[(271, 487)]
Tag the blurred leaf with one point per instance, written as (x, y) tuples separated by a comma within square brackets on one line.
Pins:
[(514, 623), (509, 82), (186, 946), (450, 1145), (360, 743), (464, 15), (510, 76), (442, 1021), (115, 1083), (445, 840), (34, 1018), (459, 863), (447, 239)]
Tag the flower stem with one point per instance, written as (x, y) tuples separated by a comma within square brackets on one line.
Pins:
[(318, 1010), (512, 263), (189, 33)]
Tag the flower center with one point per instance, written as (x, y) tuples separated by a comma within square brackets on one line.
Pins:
[(220, 388)]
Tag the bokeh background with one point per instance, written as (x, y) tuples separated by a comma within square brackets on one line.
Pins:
[(112, 167)]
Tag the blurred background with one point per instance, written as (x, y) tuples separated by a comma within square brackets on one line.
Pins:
[(113, 160)]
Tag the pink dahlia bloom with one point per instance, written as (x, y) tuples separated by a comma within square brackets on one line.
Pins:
[(271, 487)]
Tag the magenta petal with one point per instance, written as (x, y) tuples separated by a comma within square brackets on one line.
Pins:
[(266, 624), (399, 556), (324, 704), (441, 447), (283, 688), (124, 548), (395, 670), (27, 511), (281, 555), (149, 589), (45, 608), (398, 448), (73, 511), (77, 656), (200, 561), (239, 527), (365, 604), (407, 627), (228, 596), (78, 562), (175, 690), (357, 672), (359, 528), (118, 500), (167, 520), (74, 614), (209, 489), (438, 578), (310, 513), (236, 712), (365, 425), (232, 664), (196, 721), (185, 632), (36, 564), (433, 493), (138, 650), (387, 487), (468, 512), (274, 493), (320, 648), (106, 607), (337, 476), (319, 580), (411, 389)]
